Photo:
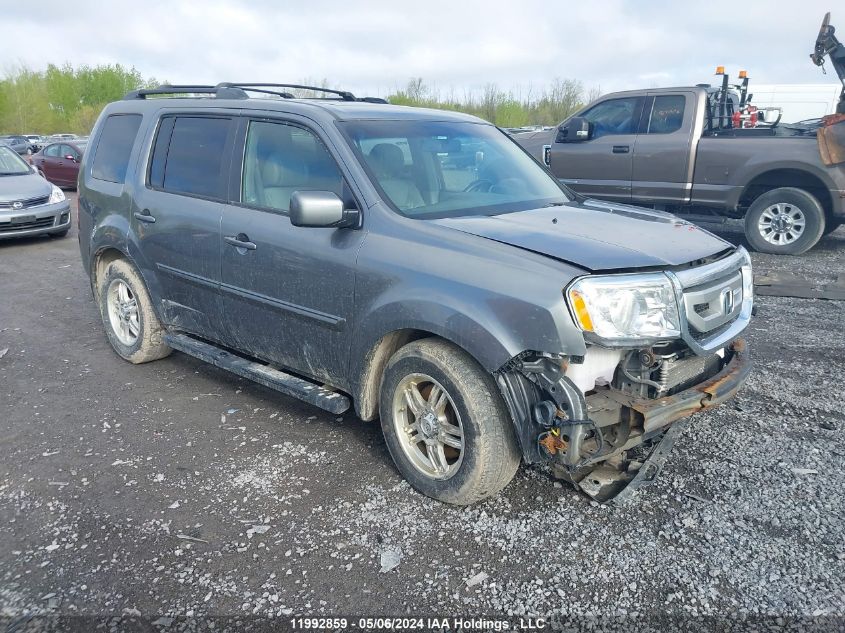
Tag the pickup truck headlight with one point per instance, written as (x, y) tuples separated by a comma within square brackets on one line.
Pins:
[(56, 195), (625, 308)]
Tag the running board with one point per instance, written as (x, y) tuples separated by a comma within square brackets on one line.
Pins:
[(262, 374)]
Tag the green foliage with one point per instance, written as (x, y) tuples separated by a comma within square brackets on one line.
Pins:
[(61, 98), (68, 99), (549, 106)]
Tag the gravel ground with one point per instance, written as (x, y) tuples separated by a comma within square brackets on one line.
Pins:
[(176, 490)]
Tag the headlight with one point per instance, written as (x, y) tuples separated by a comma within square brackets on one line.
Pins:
[(625, 308), (57, 195)]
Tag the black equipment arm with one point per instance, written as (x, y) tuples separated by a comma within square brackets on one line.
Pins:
[(827, 46)]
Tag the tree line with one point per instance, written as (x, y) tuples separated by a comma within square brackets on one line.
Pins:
[(548, 105), (62, 98), (67, 99)]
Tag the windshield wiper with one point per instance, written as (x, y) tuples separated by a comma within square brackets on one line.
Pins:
[(554, 204)]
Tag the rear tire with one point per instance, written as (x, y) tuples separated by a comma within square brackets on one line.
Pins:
[(784, 221), (433, 391), (132, 327)]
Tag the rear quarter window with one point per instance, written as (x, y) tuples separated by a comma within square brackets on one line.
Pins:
[(111, 156)]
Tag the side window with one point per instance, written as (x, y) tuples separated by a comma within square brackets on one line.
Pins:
[(66, 150), (189, 155), (111, 156), (279, 159), (667, 114), (52, 151), (615, 116)]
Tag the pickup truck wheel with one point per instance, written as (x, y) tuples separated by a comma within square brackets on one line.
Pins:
[(445, 423), (133, 329), (785, 221)]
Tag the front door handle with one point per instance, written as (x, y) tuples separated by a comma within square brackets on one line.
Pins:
[(144, 216), (621, 149), (240, 241)]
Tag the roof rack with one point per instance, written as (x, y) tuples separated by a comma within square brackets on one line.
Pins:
[(237, 90), (215, 91), (262, 87)]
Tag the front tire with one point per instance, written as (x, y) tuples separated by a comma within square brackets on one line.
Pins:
[(132, 327), (445, 424), (784, 221)]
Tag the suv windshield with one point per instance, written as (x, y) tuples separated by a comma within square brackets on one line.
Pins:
[(443, 169), (11, 164)]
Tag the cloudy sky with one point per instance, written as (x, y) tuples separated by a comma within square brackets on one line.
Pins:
[(371, 47)]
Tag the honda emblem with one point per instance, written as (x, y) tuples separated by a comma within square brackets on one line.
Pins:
[(17, 205), (727, 297)]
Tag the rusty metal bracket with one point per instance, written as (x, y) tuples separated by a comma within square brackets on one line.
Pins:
[(615, 484)]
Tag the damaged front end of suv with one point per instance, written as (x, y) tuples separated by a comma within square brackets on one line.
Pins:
[(661, 346)]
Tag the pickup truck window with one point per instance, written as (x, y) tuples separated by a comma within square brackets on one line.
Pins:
[(442, 169), (667, 114), (282, 158), (615, 116)]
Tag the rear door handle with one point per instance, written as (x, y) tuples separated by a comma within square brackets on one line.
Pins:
[(144, 216), (621, 149), (240, 241)]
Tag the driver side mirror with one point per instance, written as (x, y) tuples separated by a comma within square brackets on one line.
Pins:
[(70, 157), (574, 130), (320, 209)]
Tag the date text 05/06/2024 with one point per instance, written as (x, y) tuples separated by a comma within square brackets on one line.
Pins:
[(411, 623)]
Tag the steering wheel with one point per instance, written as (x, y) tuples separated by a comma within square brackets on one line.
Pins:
[(476, 185)]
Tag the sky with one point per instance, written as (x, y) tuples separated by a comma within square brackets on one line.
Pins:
[(374, 47)]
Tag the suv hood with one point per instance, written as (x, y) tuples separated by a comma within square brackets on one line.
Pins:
[(597, 235), (23, 187)]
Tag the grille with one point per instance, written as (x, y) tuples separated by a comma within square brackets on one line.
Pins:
[(25, 226), (713, 305), (25, 204)]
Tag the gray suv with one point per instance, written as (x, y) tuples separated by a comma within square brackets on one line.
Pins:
[(416, 265)]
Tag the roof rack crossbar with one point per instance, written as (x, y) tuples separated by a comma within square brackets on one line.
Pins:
[(220, 92), (343, 94), (233, 90)]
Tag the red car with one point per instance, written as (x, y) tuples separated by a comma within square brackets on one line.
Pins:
[(59, 162)]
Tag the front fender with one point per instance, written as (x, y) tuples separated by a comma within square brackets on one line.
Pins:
[(492, 330)]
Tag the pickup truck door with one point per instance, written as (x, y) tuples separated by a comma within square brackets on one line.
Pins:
[(664, 149), (602, 166), (288, 291)]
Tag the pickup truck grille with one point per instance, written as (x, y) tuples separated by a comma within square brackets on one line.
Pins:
[(24, 204)]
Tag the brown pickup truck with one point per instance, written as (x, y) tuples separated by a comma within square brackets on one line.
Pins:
[(671, 149)]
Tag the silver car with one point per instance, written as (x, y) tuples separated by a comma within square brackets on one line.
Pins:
[(29, 205)]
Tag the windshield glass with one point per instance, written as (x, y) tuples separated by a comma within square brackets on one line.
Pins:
[(11, 164), (444, 169)]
